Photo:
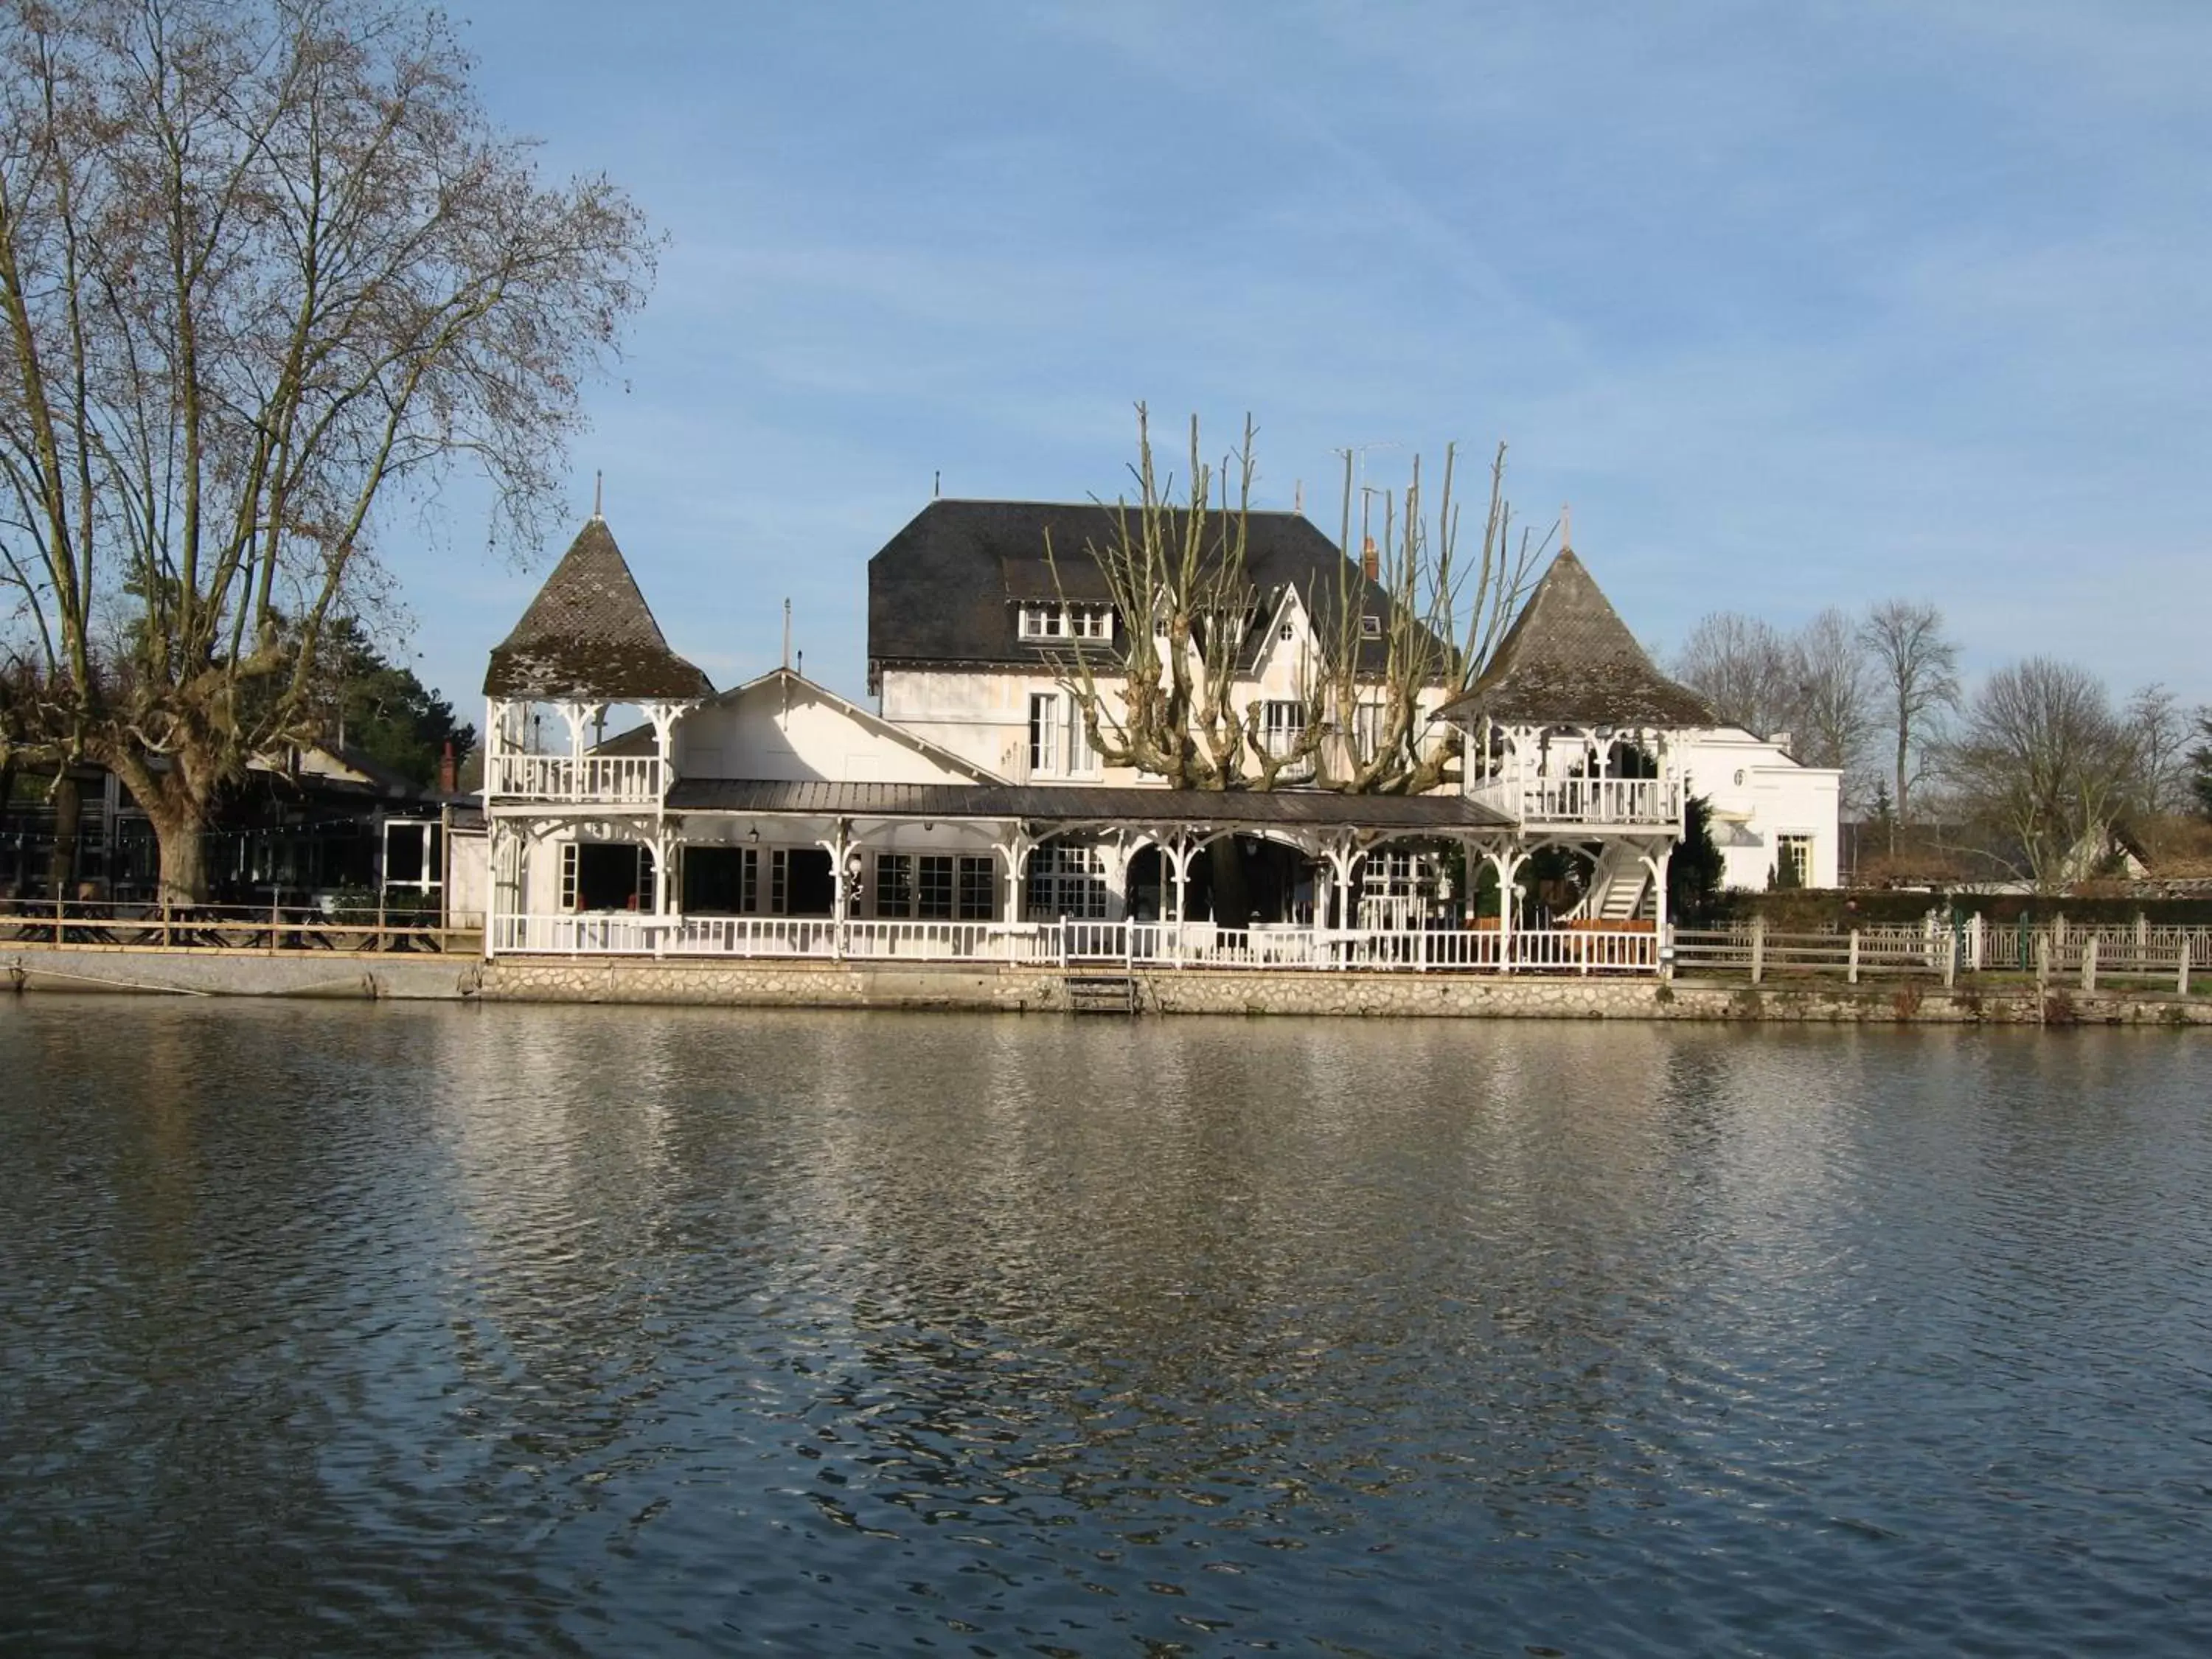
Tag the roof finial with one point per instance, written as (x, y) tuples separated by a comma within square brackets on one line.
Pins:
[(1566, 528), (786, 634), (598, 490), (936, 484)]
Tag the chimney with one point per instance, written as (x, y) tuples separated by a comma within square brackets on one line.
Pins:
[(449, 771), (1370, 561)]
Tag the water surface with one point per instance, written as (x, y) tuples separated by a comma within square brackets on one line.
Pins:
[(412, 1328)]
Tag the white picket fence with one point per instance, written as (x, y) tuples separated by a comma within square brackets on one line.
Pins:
[(2136, 952), (1147, 943), (1933, 949)]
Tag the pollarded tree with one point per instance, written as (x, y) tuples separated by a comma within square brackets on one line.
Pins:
[(1164, 698), (263, 265)]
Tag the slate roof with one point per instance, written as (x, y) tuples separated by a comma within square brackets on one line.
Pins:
[(589, 634), (947, 589), (1569, 660), (1086, 804)]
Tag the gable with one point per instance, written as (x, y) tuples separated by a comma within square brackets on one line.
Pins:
[(786, 729)]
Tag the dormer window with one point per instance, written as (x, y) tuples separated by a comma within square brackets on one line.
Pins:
[(1068, 621), (1370, 626)]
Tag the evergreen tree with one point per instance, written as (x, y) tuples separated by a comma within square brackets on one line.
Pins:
[(380, 710), (2200, 763)]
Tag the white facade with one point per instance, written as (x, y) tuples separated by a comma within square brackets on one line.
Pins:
[(1766, 808), (1022, 722)]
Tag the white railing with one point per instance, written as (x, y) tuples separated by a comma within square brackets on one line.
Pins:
[(1150, 944), (1583, 800), (576, 778)]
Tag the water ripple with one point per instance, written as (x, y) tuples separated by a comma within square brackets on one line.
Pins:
[(594, 1330)]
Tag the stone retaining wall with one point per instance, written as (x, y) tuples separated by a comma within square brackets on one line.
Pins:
[(184, 972), (1232, 991), (1024, 989)]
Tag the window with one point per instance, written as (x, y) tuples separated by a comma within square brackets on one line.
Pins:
[(932, 889), (801, 882), (1066, 881), (601, 875), (1081, 759), (1043, 622), (935, 886), (1395, 889), (1793, 861), (979, 889), (1044, 732), (719, 881), (1370, 626), (1367, 730), (894, 883), (1075, 622), (1283, 725)]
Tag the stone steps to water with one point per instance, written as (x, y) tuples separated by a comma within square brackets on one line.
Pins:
[(1101, 993)]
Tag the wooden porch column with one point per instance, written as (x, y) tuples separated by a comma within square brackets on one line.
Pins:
[(1508, 864), (1015, 849), (1657, 863)]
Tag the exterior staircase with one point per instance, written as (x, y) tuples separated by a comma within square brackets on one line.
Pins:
[(1102, 994), (1619, 889)]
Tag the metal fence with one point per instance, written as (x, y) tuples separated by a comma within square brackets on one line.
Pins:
[(90, 926)]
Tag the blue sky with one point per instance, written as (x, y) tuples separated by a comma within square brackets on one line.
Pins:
[(1796, 304)]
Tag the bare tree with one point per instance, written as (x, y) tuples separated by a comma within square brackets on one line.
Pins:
[(2160, 731), (263, 265), (1919, 668), (1163, 699), (1835, 715), (2044, 765), (1746, 669), (2200, 763)]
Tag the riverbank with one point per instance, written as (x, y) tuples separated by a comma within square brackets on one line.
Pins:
[(1025, 989)]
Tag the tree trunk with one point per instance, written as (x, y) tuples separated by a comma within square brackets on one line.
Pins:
[(179, 833), (67, 798), (7, 811), (1904, 743)]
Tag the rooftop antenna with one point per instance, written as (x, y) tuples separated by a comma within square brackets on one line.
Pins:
[(599, 490), (786, 634)]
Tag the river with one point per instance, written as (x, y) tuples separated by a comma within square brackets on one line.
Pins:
[(397, 1329)]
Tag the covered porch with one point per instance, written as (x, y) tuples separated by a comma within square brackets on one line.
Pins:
[(1037, 874)]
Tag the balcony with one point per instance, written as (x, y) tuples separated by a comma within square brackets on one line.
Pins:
[(588, 779), (1599, 803)]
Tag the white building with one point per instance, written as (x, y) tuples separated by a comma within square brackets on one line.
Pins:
[(1777, 824), (969, 818), (972, 630)]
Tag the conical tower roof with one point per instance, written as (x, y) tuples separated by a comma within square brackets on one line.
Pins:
[(589, 634), (1569, 660)]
